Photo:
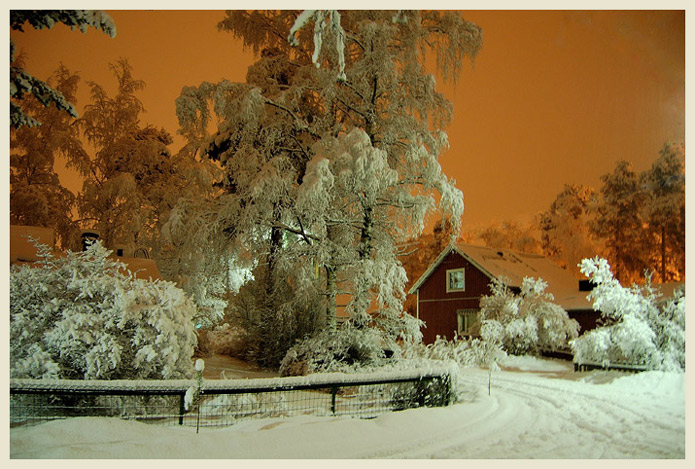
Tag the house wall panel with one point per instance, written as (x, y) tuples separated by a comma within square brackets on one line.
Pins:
[(437, 308), (587, 318), (440, 318)]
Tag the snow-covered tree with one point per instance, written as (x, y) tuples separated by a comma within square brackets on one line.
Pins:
[(530, 321), (85, 316), (22, 83), (664, 211), (37, 197), (368, 141), (638, 328), (566, 234), (132, 181)]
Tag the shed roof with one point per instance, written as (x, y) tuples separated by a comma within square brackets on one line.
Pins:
[(145, 269), (21, 247), (23, 251), (512, 267)]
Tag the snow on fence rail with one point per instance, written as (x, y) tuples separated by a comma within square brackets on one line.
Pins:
[(222, 402), (588, 366)]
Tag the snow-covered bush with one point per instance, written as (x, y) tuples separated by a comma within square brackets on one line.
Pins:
[(224, 339), (272, 323), (354, 345), (456, 350), (637, 329), (85, 316), (530, 320), (342, 350), (476, 352)]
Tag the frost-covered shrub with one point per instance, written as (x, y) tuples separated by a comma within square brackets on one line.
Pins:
[(273, 322), (341, 350), (637, 329), (530, 320), (227, 340), (457, 350), (354, 345), (85, 316), (468, 352), (423, 393)]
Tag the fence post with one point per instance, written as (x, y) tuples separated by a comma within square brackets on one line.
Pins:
[(182, 407), (449, 389), (334, 391)]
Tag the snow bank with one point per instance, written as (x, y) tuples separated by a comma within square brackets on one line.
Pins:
[(529, 363), (657, 383)]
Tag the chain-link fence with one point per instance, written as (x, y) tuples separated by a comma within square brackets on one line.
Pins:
[(223, 402)]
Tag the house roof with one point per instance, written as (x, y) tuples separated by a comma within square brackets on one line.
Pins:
[(512, 267)]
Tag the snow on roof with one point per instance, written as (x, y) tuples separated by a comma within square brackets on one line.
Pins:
[(145, 269), (22, 251), (21, 248), (512, 267), (668, 289)]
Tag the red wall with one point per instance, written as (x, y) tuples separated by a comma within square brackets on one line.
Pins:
[(587, 319), (440, 315)]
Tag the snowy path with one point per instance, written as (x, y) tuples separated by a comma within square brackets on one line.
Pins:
[(533, 417), (528, 415)]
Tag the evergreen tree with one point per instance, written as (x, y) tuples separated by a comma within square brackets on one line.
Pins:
[(618, 221), (566, 236), (664, 212), (510, 235), (131, 182)]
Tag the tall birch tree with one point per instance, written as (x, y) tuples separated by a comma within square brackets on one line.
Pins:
[(331, 151)]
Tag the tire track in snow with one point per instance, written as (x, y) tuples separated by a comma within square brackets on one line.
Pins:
[(616, 429), (532, 417)]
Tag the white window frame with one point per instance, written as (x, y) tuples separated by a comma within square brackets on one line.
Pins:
[(451, 272), (463, 325)]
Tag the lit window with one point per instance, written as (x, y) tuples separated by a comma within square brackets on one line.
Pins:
[(467, 318), (455, 280)]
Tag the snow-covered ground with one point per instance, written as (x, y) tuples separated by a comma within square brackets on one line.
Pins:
[(537, 409)]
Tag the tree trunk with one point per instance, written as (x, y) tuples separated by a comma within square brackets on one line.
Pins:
[(663, 253), (366, 234), (361, 299), (268, 335), (331, 289)]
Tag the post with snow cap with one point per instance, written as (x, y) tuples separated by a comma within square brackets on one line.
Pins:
[(199, 367)]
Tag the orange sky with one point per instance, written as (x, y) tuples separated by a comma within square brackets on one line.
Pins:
[(554, 97)]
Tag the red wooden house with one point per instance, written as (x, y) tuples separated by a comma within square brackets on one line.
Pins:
[(449, 292)]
